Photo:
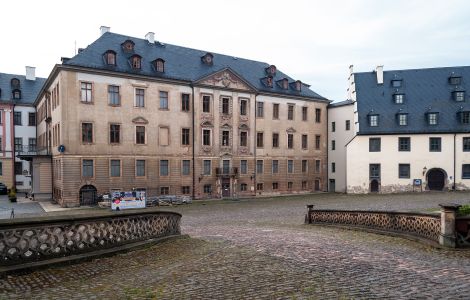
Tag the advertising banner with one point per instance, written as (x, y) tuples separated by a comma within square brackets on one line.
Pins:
[(128, 200)]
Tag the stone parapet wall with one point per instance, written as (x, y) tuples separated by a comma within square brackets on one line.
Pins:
[(38, 239)]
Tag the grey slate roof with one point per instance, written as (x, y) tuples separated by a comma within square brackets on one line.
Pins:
[(29, 88), (426, 90), (180, 63), (340, 103)]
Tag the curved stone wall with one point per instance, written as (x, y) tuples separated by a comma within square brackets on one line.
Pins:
[(36, 239)]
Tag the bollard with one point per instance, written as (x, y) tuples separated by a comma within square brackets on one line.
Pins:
[(447, 237), (308, 217)]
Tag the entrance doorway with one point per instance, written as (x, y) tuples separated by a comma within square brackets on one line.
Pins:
[(374, 186), (225, 187), (332, 187), (88, 195), (436, 179)]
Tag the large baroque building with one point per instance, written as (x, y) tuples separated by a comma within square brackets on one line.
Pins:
[(411, 131), (129, 113)]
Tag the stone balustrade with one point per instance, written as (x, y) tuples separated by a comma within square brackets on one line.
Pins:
[(38, 239)]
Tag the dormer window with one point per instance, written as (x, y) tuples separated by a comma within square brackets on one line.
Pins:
[(15, 83), (455, 80), (208, 59), (398, 98), (402, 119), (271, 70), (269, 81), (298, 85), (373, 120), (283, 83), (464, 117), (128, 46), (458, 96), (110, 58), (136, 62), (432, 118), (159, 65), (16, 94), (396, 83)]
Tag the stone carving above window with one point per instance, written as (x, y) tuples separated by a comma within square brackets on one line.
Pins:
[(225, 79), (140, 120), (291, 130)]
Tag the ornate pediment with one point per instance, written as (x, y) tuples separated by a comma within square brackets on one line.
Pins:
[(290, 130), (226, 79), (140, 120), (227, 126), (207, 124), (243, 127)]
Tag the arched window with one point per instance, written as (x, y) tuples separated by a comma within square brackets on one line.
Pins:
[(298, 85), (128, 46), (136, 61), (16, 94), (159, 65), (15, 83), (110, 58), (208, 59), (285, 84), (269, 81), (271, 70)]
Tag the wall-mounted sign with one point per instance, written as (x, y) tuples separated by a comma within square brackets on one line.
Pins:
[(417, 182), (61, 148)]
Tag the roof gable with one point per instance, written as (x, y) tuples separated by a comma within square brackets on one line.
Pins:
[(225, 78)]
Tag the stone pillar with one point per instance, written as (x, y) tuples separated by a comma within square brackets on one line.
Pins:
[(448, 214), (308, 217)]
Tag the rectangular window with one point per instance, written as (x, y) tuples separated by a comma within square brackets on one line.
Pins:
[(402, 119), (275, 111), (206, 104), (433, 118), (290, 141), (114, 133), (243, 187), (466, 144), (304, 166), (304, 185), (317, 166), (259, 140), (435, 144), (455, 80), (317, 142), (87, 168), (185, 167), (373, 120), (404, 144), (226, 166), (304, 141), (275, 166), (225, 138), (206, 137), (243, 107), (290, 185), (259, 187), (275, 185), (333, 167), (317, 115), (260, 109), (243, 138), (275, 140), (466, 171), (398, 98), (244, 166), (348, 125), (19, 144), (31, 119), (32, 143), (115, 168), (464, 117), (139, 98), (207, 167), (290, 166), (1, 168), (259, 166), (140, 135), (459, 96), (396, 83), (304, 113), (404, 171), (18, 168), (185, 136), (225, 106), (164, 167), (290, 112), (185, 190), (163, 100), (113, 95), (333, 145), (374, 170), (86, 92), (374, 144), (17, 118), (185, 102), (140, 167), (87, 133), (207, 189), (333, 126), (164, 190)]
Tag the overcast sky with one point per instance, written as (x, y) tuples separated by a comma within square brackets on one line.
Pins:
[(314, 41)]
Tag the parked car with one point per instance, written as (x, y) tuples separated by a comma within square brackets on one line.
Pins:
[(3, 189)]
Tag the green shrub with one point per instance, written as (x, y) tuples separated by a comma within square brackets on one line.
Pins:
[(464, 210), (12, 195)]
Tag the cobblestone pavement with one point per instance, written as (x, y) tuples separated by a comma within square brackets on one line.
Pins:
[(259, 249), (21, 208)]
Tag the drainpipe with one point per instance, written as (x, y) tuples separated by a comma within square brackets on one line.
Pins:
[(455, 153), (12, 144), (255, 146), (327, 156), (193, 143)]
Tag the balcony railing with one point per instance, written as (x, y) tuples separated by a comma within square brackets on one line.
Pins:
[(32, 151), (226, 171)]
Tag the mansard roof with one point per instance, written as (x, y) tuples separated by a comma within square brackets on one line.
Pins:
[(29, 88), (181, 63), (424, 90)]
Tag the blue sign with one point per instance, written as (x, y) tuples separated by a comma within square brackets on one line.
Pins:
[(417, 182)]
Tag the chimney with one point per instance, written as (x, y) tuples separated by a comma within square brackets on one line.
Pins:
[(379, 70), (104, 29), (30, 73), (150, 37)]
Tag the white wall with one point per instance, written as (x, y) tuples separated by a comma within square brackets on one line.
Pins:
[(26, 132)]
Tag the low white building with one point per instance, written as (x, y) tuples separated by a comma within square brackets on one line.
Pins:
[(411, 131)]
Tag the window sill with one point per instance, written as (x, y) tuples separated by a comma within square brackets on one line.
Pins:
[(86, 102)]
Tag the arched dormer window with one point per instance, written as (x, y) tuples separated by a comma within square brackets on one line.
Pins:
[(136, 62), (271, 70), (208, 59), (283, 83), (110, 58), (269, 81), (15, 83), (16, 94), (128, 46), (159, 65), (298, 85)]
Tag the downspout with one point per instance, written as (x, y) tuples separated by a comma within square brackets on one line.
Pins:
[(193, 143), (327, 151), (255, 145), (455, 153), (12, 145)]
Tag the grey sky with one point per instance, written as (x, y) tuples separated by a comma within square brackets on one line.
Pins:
[(314, 41)]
